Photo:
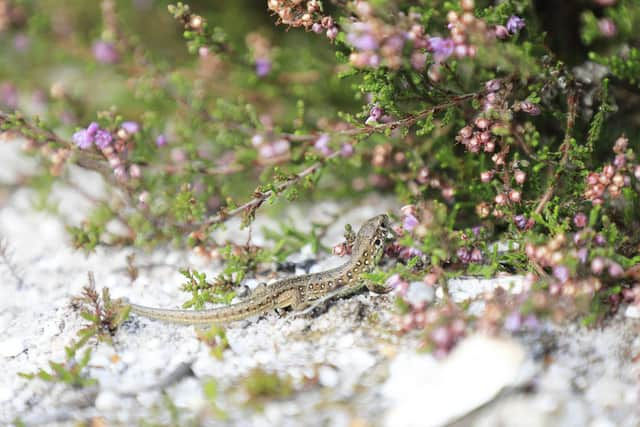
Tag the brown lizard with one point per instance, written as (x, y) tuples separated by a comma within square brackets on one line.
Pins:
[(299, 292)]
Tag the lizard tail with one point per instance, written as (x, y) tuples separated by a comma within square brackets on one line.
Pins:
[(194, 317)]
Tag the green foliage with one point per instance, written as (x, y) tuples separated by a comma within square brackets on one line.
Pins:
[(202, 291), (261, 385), (103, 314), (71, 372)]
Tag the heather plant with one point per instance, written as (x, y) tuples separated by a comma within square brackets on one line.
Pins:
[(491, 123)]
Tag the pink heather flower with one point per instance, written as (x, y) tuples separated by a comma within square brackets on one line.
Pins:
[(316, 28), (82, 139), (347, 150), (332, 33), (607, 27), (105, 52), (322, 144), (103, 138), (418, 60), (281, 147), (8, 95), (92, 129), (410, 222), (130, 126), (520, 221), (21, 42), (561, 273), (580, 220), (515, 24), (263, 67), (530, 108), (161, 140), (502, 32), (615, 270), (364, 41), (513, 322), (441, 48), (376, 113)]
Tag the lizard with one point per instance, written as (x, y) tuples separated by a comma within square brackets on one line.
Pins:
[(298, 292)]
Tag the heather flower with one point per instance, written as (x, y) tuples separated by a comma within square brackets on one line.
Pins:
[(515, 24), (263, 67), (347, 150), (607, 27), (332, 33), (82, 139), (580, 220), (530, 108), (103, 138), (8, 95), (105, 52), (410, 222), (130, 126), (441, 48), (561, 273), (322, 144), (161, 140), (513, 322), (363, 41)]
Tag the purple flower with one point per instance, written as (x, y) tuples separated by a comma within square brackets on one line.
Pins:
[(375, 113), (347, 150), (322, 144), (263, 67), (130, 126), (463, 255), (441, 48), (362, 41), (8, 95), (103, 138), (520, 221), (82, 139), (410, 222), (530, 108), (92, 129), (21, 42), (515, 24), (105, 52), (513, 322), (161, 140), (561, 273)]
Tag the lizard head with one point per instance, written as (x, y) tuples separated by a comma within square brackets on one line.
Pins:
[(372, 237)]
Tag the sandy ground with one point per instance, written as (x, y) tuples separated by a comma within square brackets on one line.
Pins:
[(345, 366)]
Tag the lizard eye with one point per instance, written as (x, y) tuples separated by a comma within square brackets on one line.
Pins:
[(377, 242)]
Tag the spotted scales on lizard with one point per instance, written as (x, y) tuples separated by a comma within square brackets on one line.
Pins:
[(299, 292)]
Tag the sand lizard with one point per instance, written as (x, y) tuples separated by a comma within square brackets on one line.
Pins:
[(298, 292)]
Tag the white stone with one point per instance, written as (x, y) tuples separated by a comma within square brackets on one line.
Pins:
[(11, 347), (463, 288), (426, 392), (328, 377), (188, 394), (107, 400), (632, 312), (419, 293)]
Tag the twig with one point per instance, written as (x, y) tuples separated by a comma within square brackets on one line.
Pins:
[(572, 104), (369, 130)]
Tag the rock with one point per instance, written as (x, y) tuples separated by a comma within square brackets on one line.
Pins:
[(464, 288), (419, 293), (632, 312), (11, 347), (426, 392), (107, 400), (328, 377)]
